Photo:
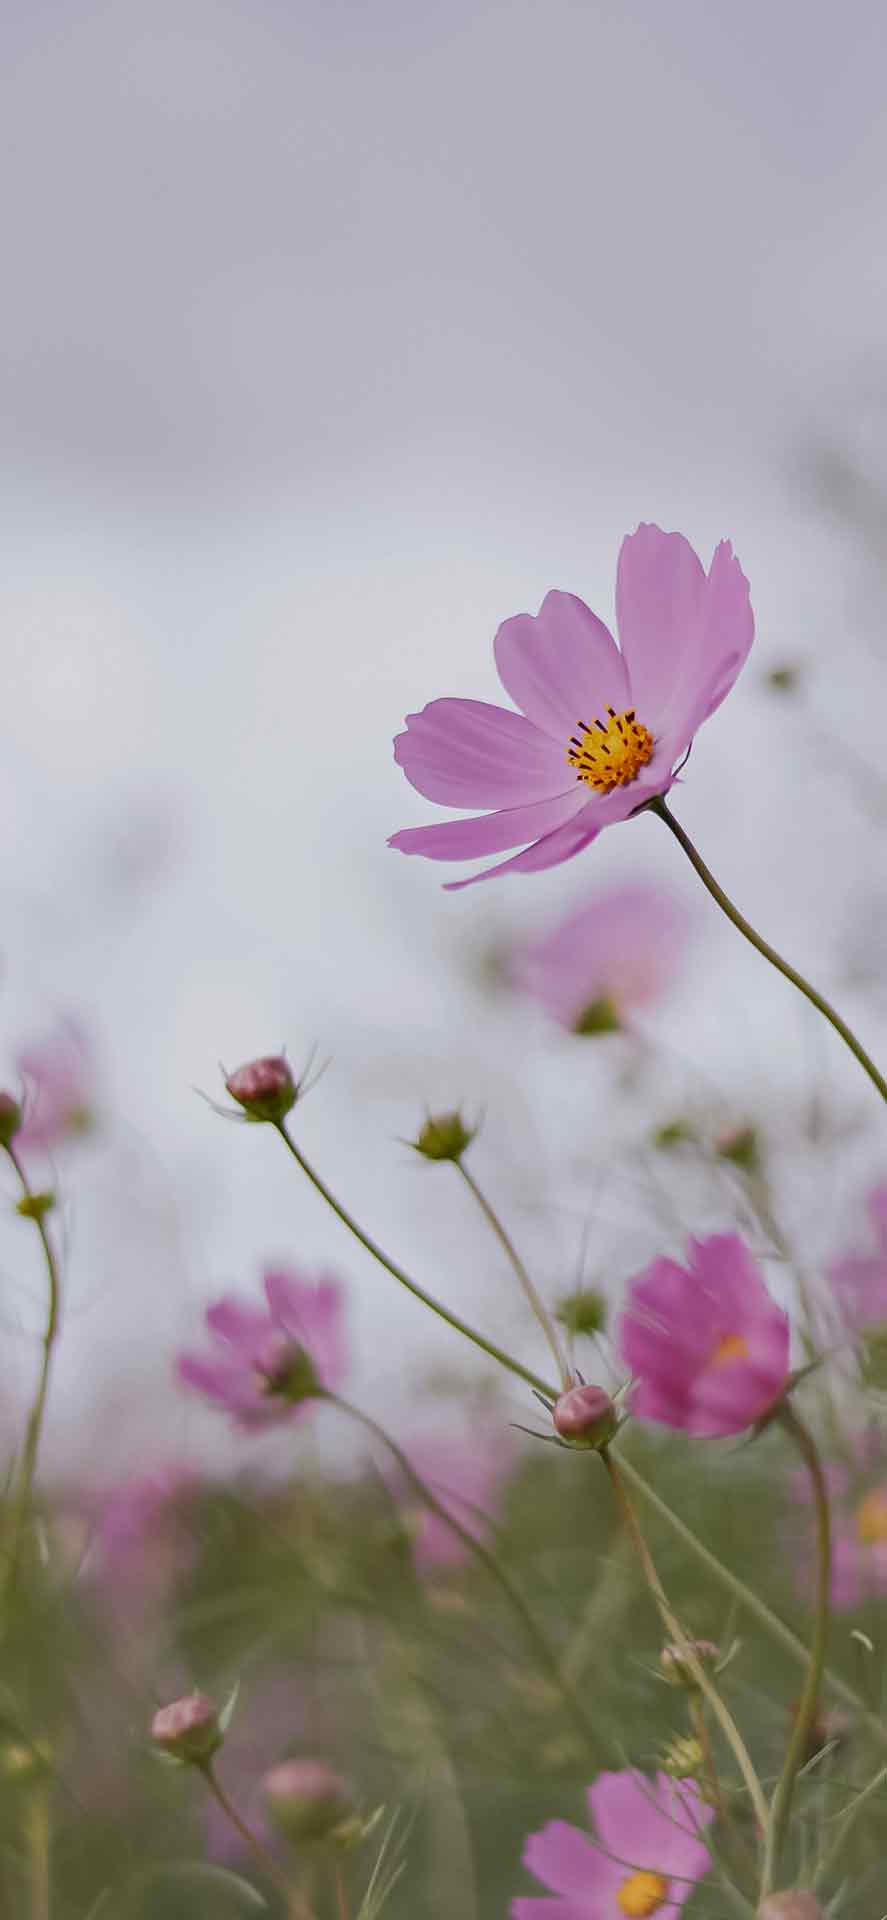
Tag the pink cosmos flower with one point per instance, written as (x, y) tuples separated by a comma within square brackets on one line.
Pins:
[(858, 1494), (144, 1538), (646, 1858), (270, 1361), (58, 1074), (467, 1475), (860, 1279), (619, 950), (600, 731), (708, 1347)]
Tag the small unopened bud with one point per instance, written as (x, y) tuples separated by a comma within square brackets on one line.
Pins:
[(287, 1370), (187, 1730), (444, 1137), (10, 1119), (785, 679), (35, 1206), (683, 1758), (742, 1148), (265, 1089), (792, 1905), (673, 1133), (584, 1311), (585, 1417), (307, 1800), (675, 1667), (600, 1016)]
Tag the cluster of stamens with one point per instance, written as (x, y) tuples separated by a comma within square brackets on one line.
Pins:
[(642, 1894), (612, 752)]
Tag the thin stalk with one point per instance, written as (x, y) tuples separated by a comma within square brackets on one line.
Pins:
[(34, 1428), (531, 1292), (38, 1839), (296, 1906), (743, 926), (685, 1646), (848, 1822), (709, 1769), (804, 1718), (339, 1891), (481, 1552)]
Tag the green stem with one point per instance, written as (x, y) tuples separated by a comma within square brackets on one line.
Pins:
[(763, 946), (851, 1814), (806, 1713), (480, 1551), (296, 1906), (531, 1293), (35, 1419), (461, 1326), (38, 1837)]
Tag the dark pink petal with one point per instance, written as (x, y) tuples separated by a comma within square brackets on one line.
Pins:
[(646, 1822), (465, 753), (561, 666), (490, 832), (530, 1909), (567, 1861)]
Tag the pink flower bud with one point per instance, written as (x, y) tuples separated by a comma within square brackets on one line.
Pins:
[(675, 1667), (793, 1905), (265, 1089), (188, 1730), (585, 1417), (10, 1118), (307, 1800)]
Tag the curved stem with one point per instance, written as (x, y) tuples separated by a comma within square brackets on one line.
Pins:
[(804, 1718), (531, 1292), (481, 1552), (35, 1419), (298, 1908), (763, 946), (461, 1326), (685, 1646)]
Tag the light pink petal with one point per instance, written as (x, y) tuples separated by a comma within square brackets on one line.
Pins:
[(635, 1818), (465, 753), (490, 832), (315, 1315), (566, 1860), (685, 635), (220, 1380), (561, 844), (561, 666), (241, 1326), (530, 1909), (623, 944)]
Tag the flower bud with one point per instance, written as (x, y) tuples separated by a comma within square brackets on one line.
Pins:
[(187, 1730), (742, 1148), (10, 1119), (683, 1758), (673, 1133), (674, 1666), (585, 1417), (307, 1800), (584, 1311), (792, 1905), (444, 1137), (265, 1088), (600, 1016), (35, 1206)]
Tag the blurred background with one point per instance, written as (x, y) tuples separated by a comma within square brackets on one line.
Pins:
[(331, 336)]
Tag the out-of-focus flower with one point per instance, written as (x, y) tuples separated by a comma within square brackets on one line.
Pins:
[(142, 1537), (654, 1825), (857, 1491), (600, 731), (58, 1074), (585, 1416), (673, 1663), (584, 1311), (10, 1119), (188, 1730), (270, 1363), (617, 952), (444, 1137), (306, 1800), (708, 1347), (265, 1088), (466, 1475), (860, 1279), (273, 1716)]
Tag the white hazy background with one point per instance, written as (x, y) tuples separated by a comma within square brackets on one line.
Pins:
[(331, 335)]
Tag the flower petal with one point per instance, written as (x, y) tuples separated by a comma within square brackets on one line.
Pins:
[(241, 1326), (561, 844), (644, 1821), (561, 665), (566, 1860), (490, 832), (523, 1909), (685, 635), (467, 753)]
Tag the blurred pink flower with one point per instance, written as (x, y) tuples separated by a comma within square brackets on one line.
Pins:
[(269, 1362), (858, 1494), (58, 1074), (600, 731), (271, 1717), (467, 1474), (860, 1279), (653, 1856), (143, 1536), (707, 1345), (619, 950)]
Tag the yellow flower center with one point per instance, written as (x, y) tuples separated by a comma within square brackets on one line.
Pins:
[(733, 1347), (642, 1894), (612, 752), (871, 1519)]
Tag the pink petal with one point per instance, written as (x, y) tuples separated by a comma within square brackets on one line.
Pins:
[(635, 1819), (242, 1327), (490, 832), (315, 1315), (554, 847), (465, 753), (523, 1909), (566, 1860), (561, 666), (659, 590)]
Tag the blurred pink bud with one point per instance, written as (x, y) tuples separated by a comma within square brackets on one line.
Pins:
[(188, 1730), (59, 1076), (306, 1799), (10, 1118), (585, 1417), (265, 1088), (675, 1667), (790, 1906)]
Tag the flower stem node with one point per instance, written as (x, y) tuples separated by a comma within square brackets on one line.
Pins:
[(288, 1372), (187, 1730), (585, 1416), (742, 1148), (307, 1801), (444, 1137), (583, 1312), (792, 1905), (10, 1119), (264, 1088), (675, 1667), (600, 1016), (35, 1206)]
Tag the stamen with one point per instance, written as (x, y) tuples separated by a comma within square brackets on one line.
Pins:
[(733, 1347), (612, 752), (871, 1518), (642, 1894)]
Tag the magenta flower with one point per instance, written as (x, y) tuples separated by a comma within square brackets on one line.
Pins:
[(58, 1074), (270, 1362), (145, 1538), (617, 951), (467, 1475), (860, 1279), (858, 1494), (646, 1858), (599, 731), (708, 1347)]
